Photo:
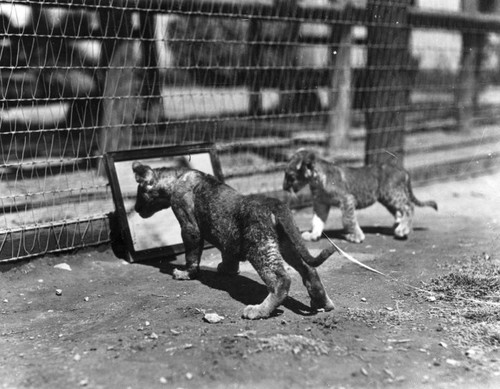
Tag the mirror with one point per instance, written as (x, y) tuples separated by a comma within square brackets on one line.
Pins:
[(159, 235)]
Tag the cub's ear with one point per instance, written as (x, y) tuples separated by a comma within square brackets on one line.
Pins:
[(144, 175)]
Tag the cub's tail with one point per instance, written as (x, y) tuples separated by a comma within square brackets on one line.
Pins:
[(285, 222), (417, 202)]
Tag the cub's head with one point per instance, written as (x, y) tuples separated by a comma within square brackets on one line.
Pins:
[(151, 198), (299, 171)]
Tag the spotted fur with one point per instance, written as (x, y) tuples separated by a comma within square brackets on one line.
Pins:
[(352, 188), (254, 228)]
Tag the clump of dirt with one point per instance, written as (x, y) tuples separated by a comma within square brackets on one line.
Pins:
[(295, 344), (479, 277), (388, 316), (470, 302)]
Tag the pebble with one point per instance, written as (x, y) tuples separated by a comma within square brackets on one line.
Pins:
[(63, 266), (213, 318), (85, 299), (58, 292)]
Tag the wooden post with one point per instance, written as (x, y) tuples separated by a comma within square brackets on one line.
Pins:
[(291, 88), (466, 89), (253, 82), (339, 118), (122, 83), (151, 89), (468, 80), (387, 80)]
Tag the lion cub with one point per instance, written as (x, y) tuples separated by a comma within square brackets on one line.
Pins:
[(352, 188), (258, 229)]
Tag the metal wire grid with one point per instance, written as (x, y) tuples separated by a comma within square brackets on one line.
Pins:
[(82, 78)]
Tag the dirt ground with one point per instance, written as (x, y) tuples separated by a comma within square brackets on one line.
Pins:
[(121, 325)]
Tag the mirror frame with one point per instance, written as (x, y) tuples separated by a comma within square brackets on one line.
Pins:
[(143, 154)]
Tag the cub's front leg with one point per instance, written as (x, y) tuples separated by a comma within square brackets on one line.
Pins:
[(318, 222), (193, 244)]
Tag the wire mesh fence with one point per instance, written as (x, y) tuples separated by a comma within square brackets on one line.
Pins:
[(359, 81)]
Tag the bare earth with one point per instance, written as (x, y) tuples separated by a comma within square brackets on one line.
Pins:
[(120, 325)]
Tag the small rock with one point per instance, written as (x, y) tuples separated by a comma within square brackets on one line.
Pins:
[(364, 371), (389, 373), (246, 334), (58, 292), (63, 266), (363, 299), (84, 382), (163, 380), (474, 353), (431, 298), (147, 323), (213, 318), (77, 357), (389, 309), (174, 332), (443, 344), (5, 301), (452, 362), (85, 299), (153, 336), (189, 376)]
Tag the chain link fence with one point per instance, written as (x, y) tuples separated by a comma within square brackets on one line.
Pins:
[(360, 81)]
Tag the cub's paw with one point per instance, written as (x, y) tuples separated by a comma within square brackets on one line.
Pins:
[(402, 231), (357, 237), (309, 236), (182, 275), (254, 312), (326, 305)]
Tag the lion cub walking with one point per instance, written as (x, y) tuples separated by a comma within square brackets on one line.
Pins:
[(244, 228), (352, 188)]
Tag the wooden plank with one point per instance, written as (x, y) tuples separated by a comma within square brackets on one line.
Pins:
[(387, 80), (341, 93)]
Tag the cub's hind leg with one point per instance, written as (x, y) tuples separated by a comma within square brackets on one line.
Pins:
[(310, 277), (404, 221), (267, 261), (320, 215), (400, 206), (349, 221)]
